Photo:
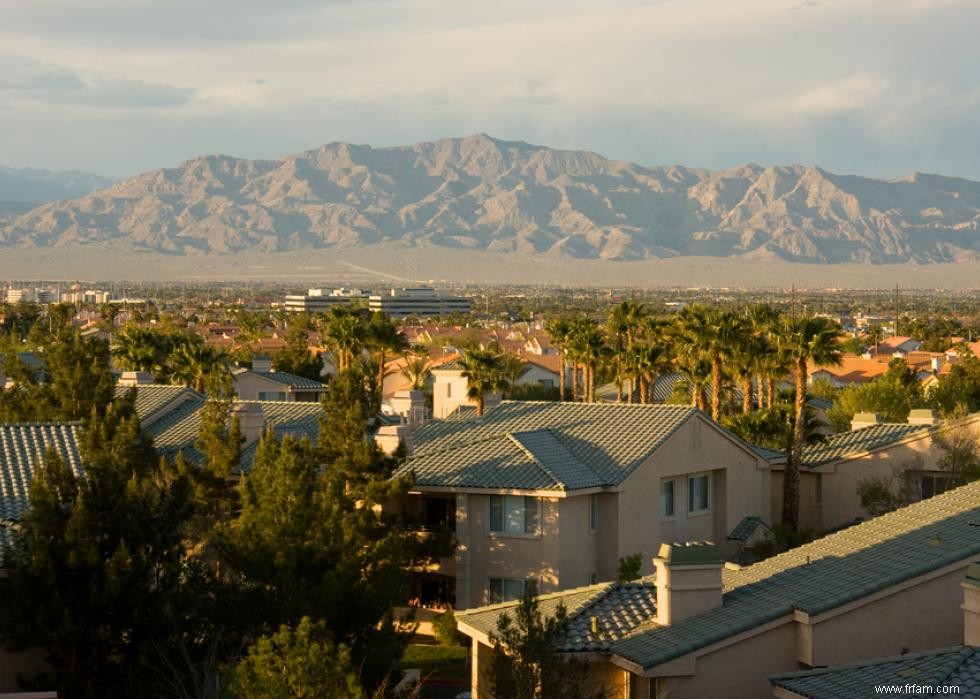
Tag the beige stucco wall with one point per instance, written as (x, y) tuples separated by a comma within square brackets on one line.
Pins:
[(811, 513), (740, 670), (923, 617), (578, 546), (738, 488), (496, 555)]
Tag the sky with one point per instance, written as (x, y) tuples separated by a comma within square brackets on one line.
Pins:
[(874, 87)]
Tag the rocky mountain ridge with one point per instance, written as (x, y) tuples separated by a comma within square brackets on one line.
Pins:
[(487, 194)]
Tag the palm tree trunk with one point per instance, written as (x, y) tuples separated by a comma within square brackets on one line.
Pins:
[(716, 388), (575, 381), (760, 383), (770, 392), (747, 394), (381, 371), (643, 390), (479, 404), (791, 476), (561, 375), (592, 371)]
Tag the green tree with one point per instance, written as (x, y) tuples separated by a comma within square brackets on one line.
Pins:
[(300, 663), (416, 370), (709, 334), (805, 340), (296, 357), (527, 662), (98, 575), (629, 568), (140, 349), (483, 371), (959, 389), (558, 330), (386, 340), (347, 333)]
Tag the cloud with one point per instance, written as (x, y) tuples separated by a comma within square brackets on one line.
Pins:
[(29, 79)]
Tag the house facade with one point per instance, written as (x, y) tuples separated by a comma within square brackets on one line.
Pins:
[(557, 493), (877, 589)]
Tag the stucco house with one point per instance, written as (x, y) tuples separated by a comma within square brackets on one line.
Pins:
[(903, 455), (703, 628), (953, 671), (559, 492), (262, 383)]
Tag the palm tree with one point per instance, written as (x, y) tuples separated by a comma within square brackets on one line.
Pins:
[(805, 340), (744, 356), (416, 370), (139, 349), (347, 332), (623, 325), (708, 333), (644, 363), (482, 370), (558, 330), (193, 364), (588, 345), (512, 368), (384, 336)]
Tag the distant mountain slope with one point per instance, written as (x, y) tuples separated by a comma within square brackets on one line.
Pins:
[(483, 193), (40, 186)]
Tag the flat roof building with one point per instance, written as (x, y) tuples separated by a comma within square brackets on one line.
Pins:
[(322, 300), (422, 301)]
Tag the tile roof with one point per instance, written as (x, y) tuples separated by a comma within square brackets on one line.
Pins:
[(22, 450), (824, 574), (151, 398), (748, 526), (619, 608), (287, 379), (958, 667), (177, 431), (848, 444), (542, 445)]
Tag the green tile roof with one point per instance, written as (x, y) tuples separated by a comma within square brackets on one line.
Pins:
[(748, 526), (618, 607), (542, 445), (177, 431), (958, 667), (287, 379), (855, 442), (22, 450), (824, 574), (151, 398)]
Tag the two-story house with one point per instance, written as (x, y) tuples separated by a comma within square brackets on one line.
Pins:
[(557, 493)]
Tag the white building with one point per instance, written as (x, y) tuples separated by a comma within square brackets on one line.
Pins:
[(423, 301), (322, 300)]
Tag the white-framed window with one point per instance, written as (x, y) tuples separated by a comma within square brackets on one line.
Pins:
[(818, 488), (514, 514), (505, 589), (698, 497), (666, 499), (593, 513)]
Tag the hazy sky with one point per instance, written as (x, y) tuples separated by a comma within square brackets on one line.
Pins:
[(877, 87)]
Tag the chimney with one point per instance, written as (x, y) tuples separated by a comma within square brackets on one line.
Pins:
[(251, 420), (135, 378), (688, 578), (936, 363), (261, 363), (865, 420), (971, 605), (388, 437), (923, 416), (409, 405)]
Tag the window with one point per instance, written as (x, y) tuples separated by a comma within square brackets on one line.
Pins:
[(667, 499), (933, 484), (547, 383), (272, 395), (449, 390), (593, 513), (697, 494), (513, 514), (505, 590), (818, 488)]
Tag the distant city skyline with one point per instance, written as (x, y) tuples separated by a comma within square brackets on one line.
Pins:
[(872, 87)]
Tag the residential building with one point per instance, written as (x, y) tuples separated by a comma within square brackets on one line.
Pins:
[(559, 492), (902, 456), (420, 301), (953, 671), (262, 383), (702, 628)]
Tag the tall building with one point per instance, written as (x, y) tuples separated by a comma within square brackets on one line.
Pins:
[(423, 301), (321, 300)]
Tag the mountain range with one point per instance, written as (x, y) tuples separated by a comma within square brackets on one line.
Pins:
[(482, 193)]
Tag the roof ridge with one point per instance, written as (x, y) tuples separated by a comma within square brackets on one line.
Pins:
[(537, 462), (548, 596), (44, 423), (964, 650)]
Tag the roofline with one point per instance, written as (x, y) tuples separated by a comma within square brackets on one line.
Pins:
[(419, 489), (743, 445), (873, 662), (796, 615), (927, 430)]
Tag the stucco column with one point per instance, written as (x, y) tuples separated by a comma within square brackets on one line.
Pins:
[(971, 605), (464, 599)]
